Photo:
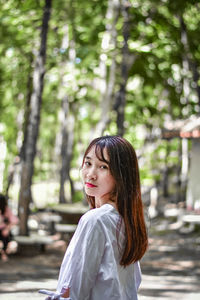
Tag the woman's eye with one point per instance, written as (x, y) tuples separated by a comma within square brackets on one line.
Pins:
[(103, 167), (87, 163)]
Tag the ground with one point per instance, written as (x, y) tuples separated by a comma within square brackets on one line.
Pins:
[(171, 268)]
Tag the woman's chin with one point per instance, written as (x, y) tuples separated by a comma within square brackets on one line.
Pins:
[(89, 193)]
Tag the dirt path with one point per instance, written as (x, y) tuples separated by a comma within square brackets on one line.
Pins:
[(171, 269)]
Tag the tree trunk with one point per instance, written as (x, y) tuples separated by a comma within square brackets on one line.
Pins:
[(13, 170), (120, 100), (189, 63), (3, 148), (166, 173), (22, 131), (68, 119), (33, 125), (66, 151), (27, 111), (112, 16)]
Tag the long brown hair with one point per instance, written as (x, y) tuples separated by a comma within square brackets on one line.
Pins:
[(123, 166)]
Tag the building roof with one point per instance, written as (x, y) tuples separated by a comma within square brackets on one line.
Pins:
[(188, 128)]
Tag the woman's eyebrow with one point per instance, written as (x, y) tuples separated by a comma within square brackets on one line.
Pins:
[(87, 157)]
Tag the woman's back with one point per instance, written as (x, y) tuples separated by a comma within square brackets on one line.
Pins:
[(99, 242)]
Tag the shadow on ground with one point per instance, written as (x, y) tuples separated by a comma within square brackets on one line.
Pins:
[(171, 268)]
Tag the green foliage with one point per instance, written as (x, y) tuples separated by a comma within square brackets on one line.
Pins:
[(155, 83)]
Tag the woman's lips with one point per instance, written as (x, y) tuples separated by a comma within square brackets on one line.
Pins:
[(90, 185)]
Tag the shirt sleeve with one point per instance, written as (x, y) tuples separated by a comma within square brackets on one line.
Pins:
[(138, 275), (82, 259)]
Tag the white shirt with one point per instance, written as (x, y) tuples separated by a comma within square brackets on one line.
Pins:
[(91, 265)]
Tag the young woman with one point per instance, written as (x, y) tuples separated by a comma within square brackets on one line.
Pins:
[(7, 220), (102, 259)]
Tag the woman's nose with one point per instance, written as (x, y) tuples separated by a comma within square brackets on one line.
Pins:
[(91, 174)]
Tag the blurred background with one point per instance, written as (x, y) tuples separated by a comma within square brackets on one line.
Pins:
[(74, 70)]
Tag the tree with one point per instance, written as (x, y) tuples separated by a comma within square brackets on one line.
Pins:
[(189, 65), (131, 67), (108, 74), (33, 124), (120, 100)]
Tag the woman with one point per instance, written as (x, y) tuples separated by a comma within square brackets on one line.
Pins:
[(102, 259), (7, 220)]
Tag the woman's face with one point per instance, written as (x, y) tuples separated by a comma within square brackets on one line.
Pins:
[(97, 178)]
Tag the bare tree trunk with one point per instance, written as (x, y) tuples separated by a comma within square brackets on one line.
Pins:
[(189, 63), (185, 63), (196, 78), (68, 119), (112, 16), (27, 111), (120, 100), (64, 137), (66, 151), (33, 125), (13, 169), (3, 147), (166, 173), (22, 132)]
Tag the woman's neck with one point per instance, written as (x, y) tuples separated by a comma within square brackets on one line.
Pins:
[(100, 202)]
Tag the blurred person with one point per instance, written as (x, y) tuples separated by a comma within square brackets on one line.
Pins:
[(7, 221), (102, 259)]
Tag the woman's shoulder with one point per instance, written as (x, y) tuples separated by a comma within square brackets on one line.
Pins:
[(91, 221), (91, 215), (99, 215), (98, 212)]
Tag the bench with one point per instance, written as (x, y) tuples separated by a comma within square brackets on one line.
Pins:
[(195, 219), (28, 242), (50, 221), (70, 212), (191, 219), (65, 229)]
